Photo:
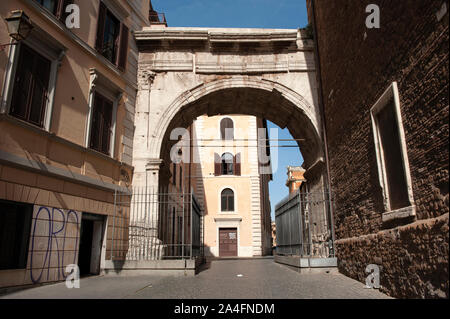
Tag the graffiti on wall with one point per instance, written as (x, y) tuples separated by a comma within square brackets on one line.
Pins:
[(55, 232)]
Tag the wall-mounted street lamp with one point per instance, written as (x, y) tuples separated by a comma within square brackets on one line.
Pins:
[(19, 27)]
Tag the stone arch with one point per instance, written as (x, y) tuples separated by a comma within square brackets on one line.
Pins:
[(261, 97)]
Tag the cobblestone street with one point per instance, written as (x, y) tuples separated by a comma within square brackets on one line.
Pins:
[(219, 279)]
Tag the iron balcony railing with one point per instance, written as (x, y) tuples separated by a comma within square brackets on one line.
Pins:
[(157, 17)]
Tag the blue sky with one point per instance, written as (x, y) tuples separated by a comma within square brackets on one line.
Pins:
[(283, 14), (284, 156), (276, 14)]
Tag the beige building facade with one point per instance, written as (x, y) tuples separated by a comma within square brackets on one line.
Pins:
[(67, 126), (232, 184)]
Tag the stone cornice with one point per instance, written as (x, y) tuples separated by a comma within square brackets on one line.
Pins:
[(50, 170), (212, 67), (288, 36), (219, 35)]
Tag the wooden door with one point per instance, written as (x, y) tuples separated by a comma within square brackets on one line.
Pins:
[(227, 242)]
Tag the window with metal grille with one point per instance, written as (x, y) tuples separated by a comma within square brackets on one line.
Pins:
[(101, 124), (31, 82), (227, 200), (15, 227)]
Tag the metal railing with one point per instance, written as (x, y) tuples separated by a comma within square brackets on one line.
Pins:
[(303, 226), (159, 226), (157, 17)]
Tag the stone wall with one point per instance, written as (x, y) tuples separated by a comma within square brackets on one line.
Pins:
[(414, 258), (357, 65)]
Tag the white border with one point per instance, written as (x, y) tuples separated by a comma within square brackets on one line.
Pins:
[(51, 50), (97, 84)]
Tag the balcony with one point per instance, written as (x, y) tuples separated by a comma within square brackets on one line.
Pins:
[(157, 18)]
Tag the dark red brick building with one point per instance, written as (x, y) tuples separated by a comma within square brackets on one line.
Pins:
[(386, 107)]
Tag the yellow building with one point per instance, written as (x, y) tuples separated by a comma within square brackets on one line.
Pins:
[(68, 93), (232, 184)]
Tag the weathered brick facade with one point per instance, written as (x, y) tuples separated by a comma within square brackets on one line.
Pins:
[(357, 65)]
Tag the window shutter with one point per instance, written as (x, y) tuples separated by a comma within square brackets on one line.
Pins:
[(106, 134), (100, 27), (237, 164), (217, 164), (95, 122), (22, 84), (60, 10), (123, 49)]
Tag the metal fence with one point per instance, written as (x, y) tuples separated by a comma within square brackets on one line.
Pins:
[(160, 225), (303, 225)]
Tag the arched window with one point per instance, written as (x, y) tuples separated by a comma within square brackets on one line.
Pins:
[(226, 129), (227, 200), (227, 164)]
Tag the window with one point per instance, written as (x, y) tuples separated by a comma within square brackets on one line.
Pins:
[(391, 152), (112, 38), (227, 200), (101, 124), (50, 5), (15, 227), (227, 164), (226, 129), (31, 83), (56, 7)]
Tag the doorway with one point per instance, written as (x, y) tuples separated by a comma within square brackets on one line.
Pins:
[(91, 238), (228, 242)]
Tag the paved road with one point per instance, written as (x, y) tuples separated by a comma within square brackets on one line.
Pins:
[(261, 278)]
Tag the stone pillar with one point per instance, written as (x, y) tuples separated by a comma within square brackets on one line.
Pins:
[(144, 216)]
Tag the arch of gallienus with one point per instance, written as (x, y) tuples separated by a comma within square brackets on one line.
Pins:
[(187, 72)]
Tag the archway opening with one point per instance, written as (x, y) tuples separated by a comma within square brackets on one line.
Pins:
[(203, 157)]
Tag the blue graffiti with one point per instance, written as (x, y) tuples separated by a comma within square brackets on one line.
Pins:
[(52, 237)]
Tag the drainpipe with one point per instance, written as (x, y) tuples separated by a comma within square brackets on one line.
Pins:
[(322, 111), (190, 155)]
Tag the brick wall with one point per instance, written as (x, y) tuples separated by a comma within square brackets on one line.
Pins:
[(357, 66)]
